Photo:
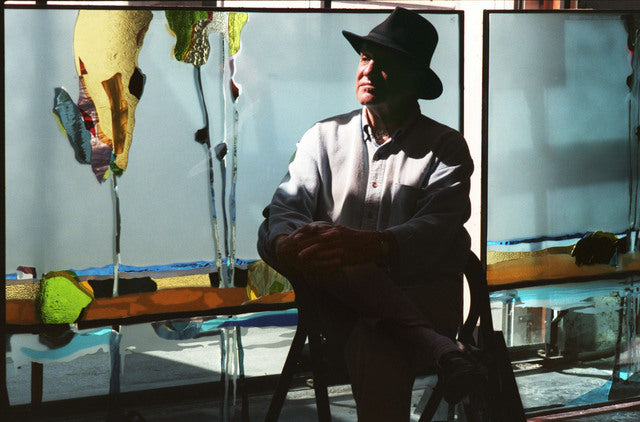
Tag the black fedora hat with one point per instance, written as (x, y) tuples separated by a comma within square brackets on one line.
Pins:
[(413, 37)]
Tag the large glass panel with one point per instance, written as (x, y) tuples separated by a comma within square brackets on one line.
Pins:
[(562, 181), (558, 125), (181, 213)]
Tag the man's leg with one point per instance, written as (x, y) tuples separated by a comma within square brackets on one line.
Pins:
[(380, 370), (408, 321), (381, 374), (371, 293)]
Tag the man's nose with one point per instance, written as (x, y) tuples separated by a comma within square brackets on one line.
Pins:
[(369, 67)]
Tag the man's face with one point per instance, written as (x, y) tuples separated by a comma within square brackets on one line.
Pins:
[(382, 77)]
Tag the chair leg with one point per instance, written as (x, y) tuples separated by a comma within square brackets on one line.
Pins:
[(319, 381), (432, 405), (451, 413), (280, 393)]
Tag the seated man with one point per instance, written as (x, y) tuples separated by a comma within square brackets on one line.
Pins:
[(368, 224)]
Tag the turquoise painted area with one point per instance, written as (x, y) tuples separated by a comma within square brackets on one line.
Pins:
[(80, 341), (71, 120), (564, 293), (284, 318), (599, 395), (87, 340), (184, 330)]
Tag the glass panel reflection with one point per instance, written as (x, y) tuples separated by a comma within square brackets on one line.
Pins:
[(562, 251)]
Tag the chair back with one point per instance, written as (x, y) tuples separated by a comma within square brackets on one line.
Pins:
[(479, 307), (502, 398)]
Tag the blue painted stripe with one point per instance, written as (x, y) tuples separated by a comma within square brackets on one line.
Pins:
[(179, 266), (286, 318), (540, 239)]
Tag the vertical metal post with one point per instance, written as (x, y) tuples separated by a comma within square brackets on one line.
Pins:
[(224, 408), (116, 236), (508, 320)]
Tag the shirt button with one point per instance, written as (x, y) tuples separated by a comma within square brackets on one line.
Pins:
[(374, 184)]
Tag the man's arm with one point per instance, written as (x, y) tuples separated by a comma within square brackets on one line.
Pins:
[(293, 203), (443, 206)]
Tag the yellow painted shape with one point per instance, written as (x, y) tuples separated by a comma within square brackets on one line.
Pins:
[(196, 280), (27, 290), (108, 42), (60, 125)]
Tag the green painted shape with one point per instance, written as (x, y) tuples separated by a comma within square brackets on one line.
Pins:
[(61, 298), (236, 23), (276, 287), (181, 22)]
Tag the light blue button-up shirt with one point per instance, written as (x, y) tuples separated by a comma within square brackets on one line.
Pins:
[(415, 185)]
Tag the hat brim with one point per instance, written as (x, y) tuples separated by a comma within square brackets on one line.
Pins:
[(430, 86)]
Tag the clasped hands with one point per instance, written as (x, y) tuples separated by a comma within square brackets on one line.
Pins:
[(323, 248)]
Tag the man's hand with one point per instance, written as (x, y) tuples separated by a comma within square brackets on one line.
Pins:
[(324, 248), (314, 247), (361, 246)]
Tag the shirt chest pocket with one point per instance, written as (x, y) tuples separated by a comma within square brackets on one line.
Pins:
[(404, 202)]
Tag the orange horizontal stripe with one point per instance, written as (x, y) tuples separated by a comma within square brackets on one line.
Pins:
[(184, 299)]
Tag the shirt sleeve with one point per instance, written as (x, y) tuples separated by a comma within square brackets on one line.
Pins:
[(294, 201), (434, 239)]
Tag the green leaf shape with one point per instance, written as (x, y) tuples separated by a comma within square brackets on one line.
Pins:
[(236, 23), (61, 298)]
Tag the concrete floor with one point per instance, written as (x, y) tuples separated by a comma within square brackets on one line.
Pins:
[(198, 361)]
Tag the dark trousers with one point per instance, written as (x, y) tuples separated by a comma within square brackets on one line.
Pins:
[(384, 333)]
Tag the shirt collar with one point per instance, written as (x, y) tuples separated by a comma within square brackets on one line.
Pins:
[(366, 127), (367, 133)]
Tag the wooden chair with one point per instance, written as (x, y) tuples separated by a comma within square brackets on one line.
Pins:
[(479, 309), (307, 329), (498, 399), (479, 305)]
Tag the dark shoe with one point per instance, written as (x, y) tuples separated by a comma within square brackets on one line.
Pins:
[(458, 374)]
